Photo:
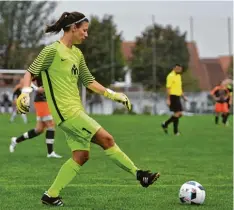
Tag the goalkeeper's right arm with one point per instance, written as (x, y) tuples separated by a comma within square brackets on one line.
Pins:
[(23, 101), (119, 97)]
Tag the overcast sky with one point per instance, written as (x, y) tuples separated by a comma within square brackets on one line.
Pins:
[(132, 17)]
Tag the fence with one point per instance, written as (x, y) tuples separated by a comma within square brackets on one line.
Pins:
[(142, 102), (149, 103)]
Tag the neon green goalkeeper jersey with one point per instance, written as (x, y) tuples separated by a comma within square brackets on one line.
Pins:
[(61, 68)]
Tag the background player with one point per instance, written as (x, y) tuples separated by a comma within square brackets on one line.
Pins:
[(5, 103), (174, 93), (228, 83), (44, 122), (221, 94), (16, 93)]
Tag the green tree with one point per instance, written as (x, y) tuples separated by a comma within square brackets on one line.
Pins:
[(22, 26), (190, 83), (170, 47), (101, 51)]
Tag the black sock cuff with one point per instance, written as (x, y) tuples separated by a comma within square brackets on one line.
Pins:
[(50, 134), (32, 133)]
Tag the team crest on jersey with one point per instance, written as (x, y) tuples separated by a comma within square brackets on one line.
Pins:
[(74, 70)]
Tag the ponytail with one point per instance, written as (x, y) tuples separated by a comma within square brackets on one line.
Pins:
[(56, 27), (65, 21)]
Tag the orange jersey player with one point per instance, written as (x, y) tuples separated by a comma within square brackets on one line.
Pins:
[(220, 94)]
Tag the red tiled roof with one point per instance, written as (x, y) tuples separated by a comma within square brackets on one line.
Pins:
[(127, 49), (208, 72), (196, 66), (214, 71), (225, 62)]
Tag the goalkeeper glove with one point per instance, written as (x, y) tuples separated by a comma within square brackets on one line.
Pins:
[(119, 97), (23, 101)]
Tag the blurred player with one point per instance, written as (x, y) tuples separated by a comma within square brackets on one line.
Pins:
[(5, 102), (221, 96), (228, 83), (44, 122), (61, 65), (174, 94), (16, 93)]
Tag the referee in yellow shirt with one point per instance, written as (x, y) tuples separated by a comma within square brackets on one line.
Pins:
[(174, 93)]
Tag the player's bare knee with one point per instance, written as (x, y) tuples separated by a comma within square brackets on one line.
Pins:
[(178, 114), (39, 129), (50, 124), (108, 142), (80, 157), (103, 139)]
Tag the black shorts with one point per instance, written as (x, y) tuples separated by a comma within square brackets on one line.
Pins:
[(176, 105)]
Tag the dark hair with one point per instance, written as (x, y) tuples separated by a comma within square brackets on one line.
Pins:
[(178, 65), (65, 21)]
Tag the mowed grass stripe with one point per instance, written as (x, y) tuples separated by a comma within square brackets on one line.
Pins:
[(204, 153)]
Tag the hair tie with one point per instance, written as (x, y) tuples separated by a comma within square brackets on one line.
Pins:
[(67, 15)]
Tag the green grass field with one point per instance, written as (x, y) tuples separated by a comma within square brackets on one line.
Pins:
[(203, 153)]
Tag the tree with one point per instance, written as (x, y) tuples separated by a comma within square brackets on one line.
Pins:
[(170, 47), (190, 83), (101, 52), (22, 28)]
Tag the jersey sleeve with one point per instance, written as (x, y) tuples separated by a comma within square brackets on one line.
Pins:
[(85, 75), (43, 60), (169, 81)]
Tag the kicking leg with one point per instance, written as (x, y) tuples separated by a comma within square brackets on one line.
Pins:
[(106, 141)]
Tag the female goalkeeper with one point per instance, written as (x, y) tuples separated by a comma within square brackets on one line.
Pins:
[(61, 64)]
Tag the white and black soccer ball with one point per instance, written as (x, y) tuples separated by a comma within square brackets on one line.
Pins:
[(192, 192)]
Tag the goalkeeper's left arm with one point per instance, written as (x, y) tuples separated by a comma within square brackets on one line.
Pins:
[(23, 101), (119, 97)]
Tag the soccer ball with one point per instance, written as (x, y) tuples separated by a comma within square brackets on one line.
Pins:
[(192, 192)]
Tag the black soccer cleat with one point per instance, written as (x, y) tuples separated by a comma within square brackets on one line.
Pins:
[(147, 178), (164, 127), (47, 200)]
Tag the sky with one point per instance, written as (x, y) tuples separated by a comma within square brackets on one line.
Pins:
[(210, 24)]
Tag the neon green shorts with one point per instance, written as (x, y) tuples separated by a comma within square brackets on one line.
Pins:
[(79, 131)]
